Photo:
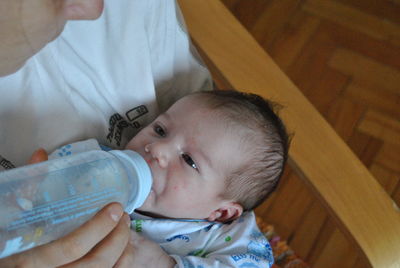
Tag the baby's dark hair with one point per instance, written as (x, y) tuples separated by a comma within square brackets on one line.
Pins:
[(252, 182)]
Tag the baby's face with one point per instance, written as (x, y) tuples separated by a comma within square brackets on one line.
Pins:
[(190, 152)]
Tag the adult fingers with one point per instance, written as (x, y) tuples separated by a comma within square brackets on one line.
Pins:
[(126, 260), (78, 243), (133, 253), (82, 9), (109, 250), (39, 155)]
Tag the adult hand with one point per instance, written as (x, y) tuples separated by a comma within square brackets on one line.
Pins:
[(100, 242), (27, 26), (142, 252)]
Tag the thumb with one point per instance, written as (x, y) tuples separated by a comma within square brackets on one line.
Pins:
[(82, 9), (39, 155)]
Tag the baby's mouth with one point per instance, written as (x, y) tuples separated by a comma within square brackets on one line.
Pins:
[(153, 186), (157, 185)]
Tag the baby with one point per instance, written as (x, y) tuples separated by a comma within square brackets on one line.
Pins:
[(222, 152), (214, 157)]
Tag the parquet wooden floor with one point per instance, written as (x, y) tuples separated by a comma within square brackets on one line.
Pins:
[(344, 55)]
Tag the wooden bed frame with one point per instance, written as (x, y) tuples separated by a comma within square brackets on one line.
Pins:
[(363, 210)]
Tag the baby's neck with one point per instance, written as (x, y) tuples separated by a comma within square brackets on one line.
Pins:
[(152, 215), (157, 216)]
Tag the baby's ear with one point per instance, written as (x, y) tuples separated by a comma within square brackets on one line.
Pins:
[(228, 212), (82, 9)]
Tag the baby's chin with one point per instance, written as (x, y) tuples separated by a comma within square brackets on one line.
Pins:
[(147, 204)]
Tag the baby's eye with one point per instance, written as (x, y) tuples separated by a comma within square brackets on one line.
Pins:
[(159, 130), (189, 161)]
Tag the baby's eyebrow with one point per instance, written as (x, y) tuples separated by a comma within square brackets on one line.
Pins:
[(205, 158), (166, 116)]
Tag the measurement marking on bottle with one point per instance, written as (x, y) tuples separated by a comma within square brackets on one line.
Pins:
[(59, 211)]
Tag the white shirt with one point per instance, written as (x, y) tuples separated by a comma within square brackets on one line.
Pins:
[(99, 79), (200, 243)]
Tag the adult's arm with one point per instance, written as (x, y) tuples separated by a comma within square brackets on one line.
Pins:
[(26, 26)]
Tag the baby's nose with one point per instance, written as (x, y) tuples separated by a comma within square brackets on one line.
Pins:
[(159, 152)]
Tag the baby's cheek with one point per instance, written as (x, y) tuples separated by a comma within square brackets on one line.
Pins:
[(180, 194), (174, 191), (176, 188)]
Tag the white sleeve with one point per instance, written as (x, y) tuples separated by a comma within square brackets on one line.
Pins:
[(176, 65), (74, 148), (239, 245)]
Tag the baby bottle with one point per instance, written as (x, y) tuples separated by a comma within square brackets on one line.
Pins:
[(45, 201)]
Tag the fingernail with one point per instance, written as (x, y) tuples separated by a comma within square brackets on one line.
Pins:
[(39, 155), (115, 213)]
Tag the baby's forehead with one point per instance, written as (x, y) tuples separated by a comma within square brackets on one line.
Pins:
[(229, 120), (197, 100), (194, 106)]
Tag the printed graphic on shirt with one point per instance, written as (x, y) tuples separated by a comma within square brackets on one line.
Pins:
[(198, 253), (259, 246), (136, 112), (117, 123), (248, 265), (257, 249), (138, 226), (5, 164), (65, 150), (182, 237)]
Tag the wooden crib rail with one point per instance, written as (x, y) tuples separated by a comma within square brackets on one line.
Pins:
[(363, 209)]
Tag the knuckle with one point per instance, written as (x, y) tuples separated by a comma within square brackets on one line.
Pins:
[(72, 248)]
